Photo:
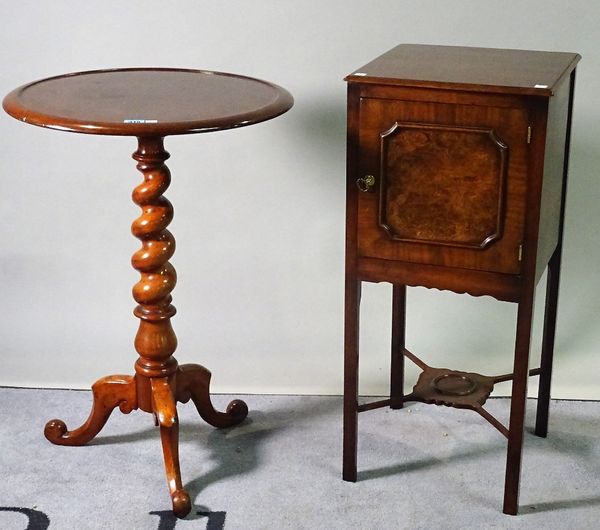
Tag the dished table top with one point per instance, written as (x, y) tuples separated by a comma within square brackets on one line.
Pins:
[(147, 101)]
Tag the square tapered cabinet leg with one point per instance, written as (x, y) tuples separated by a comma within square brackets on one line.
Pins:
[(457, 171), (351, 324)]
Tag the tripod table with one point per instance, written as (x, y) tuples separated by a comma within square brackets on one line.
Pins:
[(150, 104)]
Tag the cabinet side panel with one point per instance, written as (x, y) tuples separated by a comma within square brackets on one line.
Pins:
[(552, 185)]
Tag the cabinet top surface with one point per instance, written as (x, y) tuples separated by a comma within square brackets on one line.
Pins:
[(147, 101), (473, 69)]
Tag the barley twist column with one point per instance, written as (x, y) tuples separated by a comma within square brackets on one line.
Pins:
[(155, 341)]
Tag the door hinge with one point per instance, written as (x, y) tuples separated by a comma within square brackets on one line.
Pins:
[(520, 252), (529, 134)]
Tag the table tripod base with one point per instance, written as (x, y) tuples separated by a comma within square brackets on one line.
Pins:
[(189, 381)]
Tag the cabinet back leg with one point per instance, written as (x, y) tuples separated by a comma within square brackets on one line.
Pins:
[(543, 404), (398, 343)]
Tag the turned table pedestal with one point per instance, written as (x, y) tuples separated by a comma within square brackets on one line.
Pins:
[(150, 104)]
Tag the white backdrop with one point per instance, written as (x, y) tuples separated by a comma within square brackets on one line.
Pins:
[(259, 212)]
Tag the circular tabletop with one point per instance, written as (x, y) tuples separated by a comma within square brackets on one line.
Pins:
[(147, 101)]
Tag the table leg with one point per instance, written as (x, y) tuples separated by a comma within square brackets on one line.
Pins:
[(108, 393), (517, 404), (165, 408), (351, 317), (193, 382), (543, 404), (398, 344)]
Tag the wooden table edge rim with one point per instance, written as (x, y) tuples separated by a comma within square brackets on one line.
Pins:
[(12, 106)]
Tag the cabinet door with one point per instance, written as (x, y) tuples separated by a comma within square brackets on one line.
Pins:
[(450, 183)]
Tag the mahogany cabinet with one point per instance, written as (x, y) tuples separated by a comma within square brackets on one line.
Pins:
[(456, 179)]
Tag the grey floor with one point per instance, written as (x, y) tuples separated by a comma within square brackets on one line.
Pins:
[(421, 467)]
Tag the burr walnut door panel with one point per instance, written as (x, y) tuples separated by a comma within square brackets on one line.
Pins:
[(449, 183)]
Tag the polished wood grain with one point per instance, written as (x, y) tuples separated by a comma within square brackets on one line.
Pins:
[(147, 101), (165, 410), (486, 70), (553, 184), (155, 341), (442, 184), (451, 388), (398, 343), (456, 175), (502, 187), (193, 382), (352, 293), (505, 287), (150, 104), (108, 393)]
